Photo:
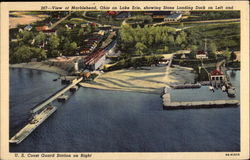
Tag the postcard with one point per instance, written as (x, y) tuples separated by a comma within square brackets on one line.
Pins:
[(125, 80)]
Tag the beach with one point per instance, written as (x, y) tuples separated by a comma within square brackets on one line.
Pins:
[(40, 66), (146, 79)]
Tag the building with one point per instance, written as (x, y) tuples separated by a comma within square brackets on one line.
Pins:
[(123, 15), (50, 32), (42, 28), (217, 77), (184, 13), (28, 28), (201, 55), (173, 17), (95, 60), (92, 43)]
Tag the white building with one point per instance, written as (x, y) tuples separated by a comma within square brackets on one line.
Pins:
[(173, 17), (217, 77)]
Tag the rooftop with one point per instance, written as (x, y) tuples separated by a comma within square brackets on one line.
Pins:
[(216, 72)]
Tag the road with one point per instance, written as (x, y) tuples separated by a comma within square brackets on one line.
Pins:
[(58, 22)]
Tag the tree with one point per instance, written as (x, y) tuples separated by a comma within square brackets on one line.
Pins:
[(178, 40), (26, 37), (140, 48), (54, 42), (226, 54), (193, 52), (70, 48), (233, 56), (22, 54), (39, 53), (181, 26), (212, 50), (39, 38)]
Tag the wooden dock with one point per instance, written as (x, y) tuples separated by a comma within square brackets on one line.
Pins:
[(55, 96), (168, 104)]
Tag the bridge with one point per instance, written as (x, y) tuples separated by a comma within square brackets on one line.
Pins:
[(55, 96)]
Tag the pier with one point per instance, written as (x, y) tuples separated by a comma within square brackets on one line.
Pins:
[(169, 105), (32, 125), (55, 96), (40, 116)]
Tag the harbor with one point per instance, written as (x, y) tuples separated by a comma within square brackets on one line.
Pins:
[(187, 96)]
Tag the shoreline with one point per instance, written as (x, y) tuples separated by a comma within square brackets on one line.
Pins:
[(150, 81), (40, 66)]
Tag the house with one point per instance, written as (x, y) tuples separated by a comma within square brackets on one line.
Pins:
[(28, 28), (50, 32), (42, 28), (123, 15), (217, 77), (111, 13), (201, 55), (184, 13), (173, 17)]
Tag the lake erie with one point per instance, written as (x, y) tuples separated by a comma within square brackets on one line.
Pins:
[(93, 120)]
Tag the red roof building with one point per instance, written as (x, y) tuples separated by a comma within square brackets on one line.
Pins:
[(95, 60), (217, 77), (42, 28), (216, 72)]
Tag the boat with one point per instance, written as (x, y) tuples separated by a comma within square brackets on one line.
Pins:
[(55, 79), (211, 88), (223, 88), (231, 92)]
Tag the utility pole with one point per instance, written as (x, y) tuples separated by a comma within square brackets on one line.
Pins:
[(205, 49)]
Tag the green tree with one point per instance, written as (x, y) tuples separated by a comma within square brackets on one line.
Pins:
[(39, 38), (193, 52), (54, 42), (22, 54), (212, 48), (53, 46), (140, 48), (39, 53), (226, 54), (233, 56), (70, 48), (26, 37)]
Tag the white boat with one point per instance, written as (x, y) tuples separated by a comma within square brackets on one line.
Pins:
[(223, 88), (211, 88)]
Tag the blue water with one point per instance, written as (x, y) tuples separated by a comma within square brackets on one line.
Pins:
[(204, 94), (114, 121)]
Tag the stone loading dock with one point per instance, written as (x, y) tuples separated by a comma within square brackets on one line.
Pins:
[(169, 105)]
